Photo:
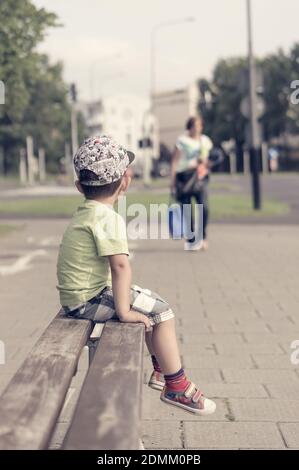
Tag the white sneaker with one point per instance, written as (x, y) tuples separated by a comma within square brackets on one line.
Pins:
[(205, 245), (193, 246)]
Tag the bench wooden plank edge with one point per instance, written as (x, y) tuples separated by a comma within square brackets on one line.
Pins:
[(33, 399), (108, 411)]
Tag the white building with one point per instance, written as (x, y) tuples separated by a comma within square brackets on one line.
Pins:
[(172, 109), (124, 117)]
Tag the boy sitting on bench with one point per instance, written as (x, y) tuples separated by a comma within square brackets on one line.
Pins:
[(94, 273)]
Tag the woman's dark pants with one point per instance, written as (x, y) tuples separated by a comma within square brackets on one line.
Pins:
[(201, 197)]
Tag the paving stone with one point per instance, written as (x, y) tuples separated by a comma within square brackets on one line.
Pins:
[(198, 349), (232, 435), (259, 376), (210, 338), (290, 432), (249, 326), (272, 313), (264, 409), (273, 338), (187, 321), (284, 390), (196, 328), (274, 361), (285, 326), (268, 349), (201, 362), (162, 435), (232, 314)]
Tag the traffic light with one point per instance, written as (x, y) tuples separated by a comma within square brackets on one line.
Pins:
[(73, 91), (145, 143)]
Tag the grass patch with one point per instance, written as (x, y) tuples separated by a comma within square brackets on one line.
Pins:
[(230, 206), (223, 206), (48, 206)]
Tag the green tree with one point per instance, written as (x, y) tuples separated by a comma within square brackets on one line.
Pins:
[(48, 111), (293, 110), (220, 98), (277, 72), (221, 110), (22, 27), (37, 100)]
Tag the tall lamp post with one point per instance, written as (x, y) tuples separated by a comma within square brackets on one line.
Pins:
[(254, 130), (74, 118)]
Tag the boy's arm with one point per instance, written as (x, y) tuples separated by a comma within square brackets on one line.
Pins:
[(121, 286)]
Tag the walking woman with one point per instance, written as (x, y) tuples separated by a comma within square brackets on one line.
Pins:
[(191, 163)]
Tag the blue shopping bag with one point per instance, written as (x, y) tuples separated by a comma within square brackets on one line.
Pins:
[(175, 221)]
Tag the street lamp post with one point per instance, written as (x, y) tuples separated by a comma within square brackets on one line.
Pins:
[(74, 119), (254, 130)]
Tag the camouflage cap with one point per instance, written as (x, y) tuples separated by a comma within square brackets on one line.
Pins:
[(107, 159)]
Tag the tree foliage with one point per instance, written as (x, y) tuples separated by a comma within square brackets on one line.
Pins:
[(221, 97), (36, 97)]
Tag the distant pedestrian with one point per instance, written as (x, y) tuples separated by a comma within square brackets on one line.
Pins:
[(191, 164), (273, 155)]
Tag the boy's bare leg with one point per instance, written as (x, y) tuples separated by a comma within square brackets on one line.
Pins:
[(165, 347), (174, 391), (148, 341)]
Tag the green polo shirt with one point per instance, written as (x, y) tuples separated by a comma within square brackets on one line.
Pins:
[(95, 232)]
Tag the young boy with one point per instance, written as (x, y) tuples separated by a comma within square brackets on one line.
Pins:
[(94, 273)]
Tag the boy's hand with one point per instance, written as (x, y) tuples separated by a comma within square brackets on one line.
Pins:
[(135, 317), (144, 319)]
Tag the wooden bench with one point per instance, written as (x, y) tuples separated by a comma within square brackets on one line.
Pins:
[(107, 414)]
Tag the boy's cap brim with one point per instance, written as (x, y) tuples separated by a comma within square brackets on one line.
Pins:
[(131, 156)]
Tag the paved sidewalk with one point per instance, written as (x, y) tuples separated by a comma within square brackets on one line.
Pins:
[(237, 314), (237, 311)]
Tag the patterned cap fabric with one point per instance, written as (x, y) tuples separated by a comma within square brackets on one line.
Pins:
[(104, 157)]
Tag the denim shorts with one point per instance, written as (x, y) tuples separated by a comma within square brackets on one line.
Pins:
[(101, 307)]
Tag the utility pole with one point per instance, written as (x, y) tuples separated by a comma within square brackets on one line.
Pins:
[(254, 130), (22, 166), (146, 149), (42, 164), (74, 118), (30, 159), (69, 163)]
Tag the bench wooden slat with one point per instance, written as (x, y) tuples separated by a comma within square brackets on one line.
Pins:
[(109, 407), (32, 401)]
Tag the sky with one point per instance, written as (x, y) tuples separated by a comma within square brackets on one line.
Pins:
[(105, 44)]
